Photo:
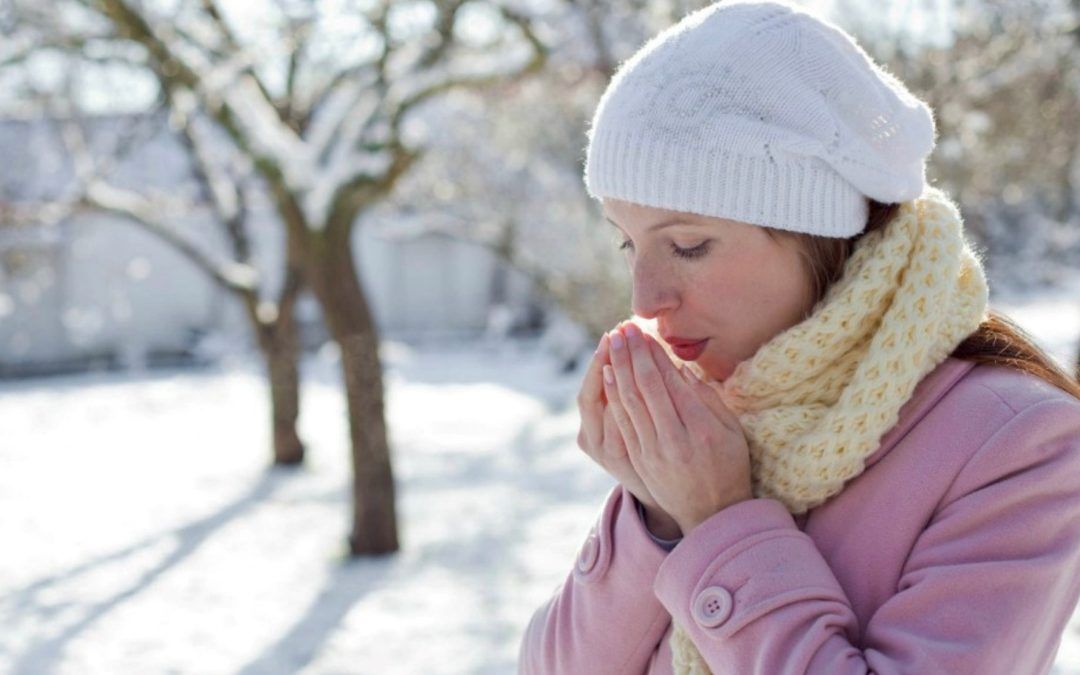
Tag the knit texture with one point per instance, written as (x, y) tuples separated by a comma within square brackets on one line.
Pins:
[(759, 112), (815, 400)]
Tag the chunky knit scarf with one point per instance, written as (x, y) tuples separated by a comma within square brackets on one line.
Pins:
[(815, 400)]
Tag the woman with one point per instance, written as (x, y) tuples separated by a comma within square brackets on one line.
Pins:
[(831, 456)]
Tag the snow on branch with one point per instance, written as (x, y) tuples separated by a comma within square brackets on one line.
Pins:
[(227, 90), (360, 123), (345, 102), (352, 138), (355, 167), (232, 275), (225, 193), (95, 193), (408, 92)]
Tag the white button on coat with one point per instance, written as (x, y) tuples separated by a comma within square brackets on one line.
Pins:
[(590, 552), (712, 606)]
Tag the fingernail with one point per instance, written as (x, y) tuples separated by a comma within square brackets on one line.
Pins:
[(609, 376), (633, 333), (617, 340)]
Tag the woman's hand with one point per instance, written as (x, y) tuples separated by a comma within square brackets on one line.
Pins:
[(600, 437), (686, 445)]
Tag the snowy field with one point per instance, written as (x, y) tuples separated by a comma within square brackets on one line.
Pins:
[(141, 532)]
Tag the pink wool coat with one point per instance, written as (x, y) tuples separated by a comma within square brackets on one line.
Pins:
[(957, 550)]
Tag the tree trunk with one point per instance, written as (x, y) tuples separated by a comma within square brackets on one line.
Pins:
[(331, 273), (280, 346)]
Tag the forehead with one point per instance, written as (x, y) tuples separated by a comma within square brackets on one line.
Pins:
[(633, 216), (619, 211), (638, 218)]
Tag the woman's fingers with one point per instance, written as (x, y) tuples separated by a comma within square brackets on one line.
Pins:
[(591, 399), (655, 382), (624, 426), (680, 384), (614, 441), (592, 388), (627, 390), (691, 394)]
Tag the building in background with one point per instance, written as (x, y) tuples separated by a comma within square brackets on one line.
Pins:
[(96, 291)]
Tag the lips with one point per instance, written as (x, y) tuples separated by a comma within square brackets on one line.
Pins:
[(686, 349), (675, 341)]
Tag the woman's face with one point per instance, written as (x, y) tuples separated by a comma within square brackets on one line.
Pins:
[(706, 278)]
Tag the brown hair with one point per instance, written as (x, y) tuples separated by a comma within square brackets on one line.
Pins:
[(997, 340)]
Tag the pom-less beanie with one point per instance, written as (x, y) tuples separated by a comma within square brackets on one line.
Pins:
[(760, 112)]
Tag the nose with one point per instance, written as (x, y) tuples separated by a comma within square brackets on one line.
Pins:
[(654, 290)]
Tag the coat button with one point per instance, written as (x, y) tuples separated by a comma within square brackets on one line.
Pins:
[(589, 554), (712, 606)]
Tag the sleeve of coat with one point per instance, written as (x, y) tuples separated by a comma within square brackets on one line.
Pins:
[(988, 587), (605, 617), (666, 544)]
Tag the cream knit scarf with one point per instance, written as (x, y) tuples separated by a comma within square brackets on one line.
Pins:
[(815, 400)]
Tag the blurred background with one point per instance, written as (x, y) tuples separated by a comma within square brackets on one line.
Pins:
[(296, 296)]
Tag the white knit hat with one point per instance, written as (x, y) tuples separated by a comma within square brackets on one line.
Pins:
[(759, 112)]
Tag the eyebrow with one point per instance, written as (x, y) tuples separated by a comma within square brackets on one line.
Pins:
[(678, 220)]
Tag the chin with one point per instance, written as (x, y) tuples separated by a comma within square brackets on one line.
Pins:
[(718, 370)]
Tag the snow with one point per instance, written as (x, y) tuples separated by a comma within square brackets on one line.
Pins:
[(142, 533)]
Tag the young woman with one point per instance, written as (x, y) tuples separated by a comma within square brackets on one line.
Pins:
[(831, 455)]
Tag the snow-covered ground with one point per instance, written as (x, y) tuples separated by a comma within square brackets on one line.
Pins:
[(141, 533)]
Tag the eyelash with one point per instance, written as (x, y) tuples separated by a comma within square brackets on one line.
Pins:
[(686, 253)]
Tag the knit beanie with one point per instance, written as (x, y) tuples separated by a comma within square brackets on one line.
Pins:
[(761, 112)]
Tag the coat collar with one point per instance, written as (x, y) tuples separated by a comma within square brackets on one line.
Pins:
[(927, 393)]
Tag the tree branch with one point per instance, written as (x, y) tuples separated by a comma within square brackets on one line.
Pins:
[(211, 9), (537, 60), (248, 117), (226, 195), (96, 194), (232, 276)]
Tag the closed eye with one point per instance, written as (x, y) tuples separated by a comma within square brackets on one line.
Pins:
[(685, 253), (691, 253)]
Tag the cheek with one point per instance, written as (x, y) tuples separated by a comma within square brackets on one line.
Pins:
[(752, 292), (785, 294), (739, 283)]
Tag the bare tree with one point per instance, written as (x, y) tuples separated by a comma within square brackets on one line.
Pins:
[(271, 320), (324, 122)]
